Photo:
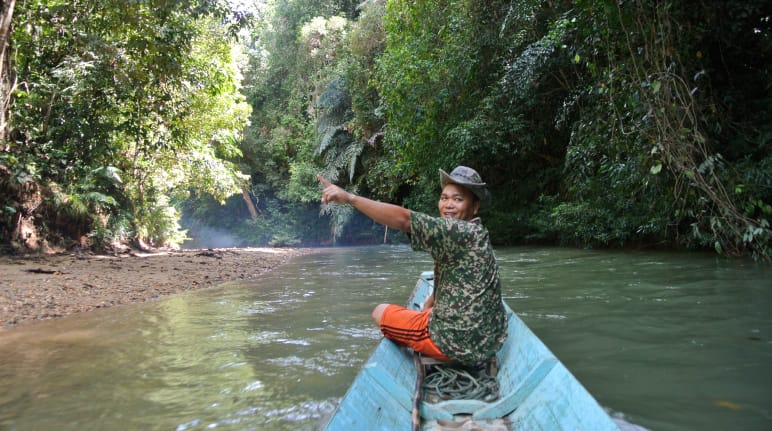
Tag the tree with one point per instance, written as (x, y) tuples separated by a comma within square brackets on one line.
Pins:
[(667, 156), (144, 90)]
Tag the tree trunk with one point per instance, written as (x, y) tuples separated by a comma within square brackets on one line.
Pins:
[(10, 232), (5, 69), (250, 204)]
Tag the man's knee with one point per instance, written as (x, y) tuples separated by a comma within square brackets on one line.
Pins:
[(378, 313)]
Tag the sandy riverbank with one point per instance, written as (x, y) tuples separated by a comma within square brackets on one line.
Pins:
[(48, 286)]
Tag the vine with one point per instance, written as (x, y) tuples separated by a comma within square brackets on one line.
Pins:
[(671, 123)]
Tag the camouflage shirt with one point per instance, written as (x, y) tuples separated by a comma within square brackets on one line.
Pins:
[(468, 321)]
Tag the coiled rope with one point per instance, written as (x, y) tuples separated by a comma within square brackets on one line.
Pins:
[(453, 381)]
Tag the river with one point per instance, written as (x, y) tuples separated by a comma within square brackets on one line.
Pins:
[(667, 341)]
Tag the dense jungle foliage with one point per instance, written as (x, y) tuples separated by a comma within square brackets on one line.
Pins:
[(636, 123)]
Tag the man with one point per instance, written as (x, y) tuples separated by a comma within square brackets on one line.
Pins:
[(464, 320)]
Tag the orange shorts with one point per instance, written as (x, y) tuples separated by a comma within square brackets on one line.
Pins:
[(410, 328)]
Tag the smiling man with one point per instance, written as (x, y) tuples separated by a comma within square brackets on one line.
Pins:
[(464, 320)]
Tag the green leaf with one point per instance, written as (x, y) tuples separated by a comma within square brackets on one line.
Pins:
[(656, 168)]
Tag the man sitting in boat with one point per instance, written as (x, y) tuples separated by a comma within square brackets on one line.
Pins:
[(464, 320)]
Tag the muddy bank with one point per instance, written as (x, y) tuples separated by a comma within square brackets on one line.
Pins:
[(49, 286)]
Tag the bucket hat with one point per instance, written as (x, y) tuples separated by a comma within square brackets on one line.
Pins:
[(469, 178)]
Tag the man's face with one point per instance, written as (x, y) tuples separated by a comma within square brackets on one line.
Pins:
[(458, 202)]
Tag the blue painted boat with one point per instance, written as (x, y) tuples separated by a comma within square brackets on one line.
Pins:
[(536, 391)]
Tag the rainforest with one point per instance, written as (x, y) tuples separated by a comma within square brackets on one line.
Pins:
[(639, 124)]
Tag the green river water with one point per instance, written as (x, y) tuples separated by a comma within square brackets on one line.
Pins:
[(666, 341)]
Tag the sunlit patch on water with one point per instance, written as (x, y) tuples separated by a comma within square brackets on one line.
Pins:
[(253, 386), (310, 410), (288, 361), (649, 262), (367, 275), (327, 363), (293, 342), (343, 358), (232, 364), (266, 337), (194, 424), (188, 425), (332, 275), (622, 422), (260, 307), (542, 316), (518, 260), (365, 332)]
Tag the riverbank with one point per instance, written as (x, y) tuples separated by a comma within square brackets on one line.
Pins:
[(48, 286)]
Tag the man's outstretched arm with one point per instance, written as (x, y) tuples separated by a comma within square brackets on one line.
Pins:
[(393, 216)]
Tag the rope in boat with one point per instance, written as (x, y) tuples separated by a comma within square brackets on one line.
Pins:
[(453, 381)]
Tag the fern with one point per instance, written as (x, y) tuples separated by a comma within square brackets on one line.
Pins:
[(339, 148), (334, 107)]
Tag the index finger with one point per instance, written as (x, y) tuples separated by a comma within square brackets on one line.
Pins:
[(323, 180)]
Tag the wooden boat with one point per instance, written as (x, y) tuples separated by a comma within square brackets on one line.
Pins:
[(536, 391)]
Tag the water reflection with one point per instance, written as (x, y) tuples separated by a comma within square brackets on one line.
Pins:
[(670, 341)]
